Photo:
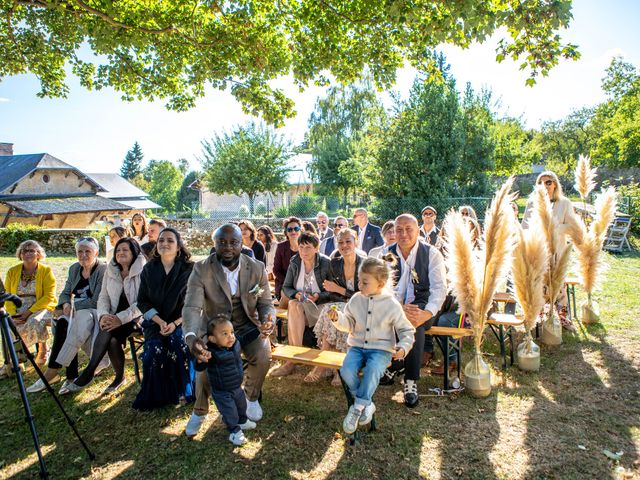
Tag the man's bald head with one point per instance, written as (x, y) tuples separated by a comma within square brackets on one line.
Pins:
[(407, 231), (228, 244)]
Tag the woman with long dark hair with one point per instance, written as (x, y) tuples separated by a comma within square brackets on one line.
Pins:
[(268, 239), (167, 366), (250, 240)]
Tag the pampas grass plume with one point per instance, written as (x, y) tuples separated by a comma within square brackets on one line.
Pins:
[(584, 177)]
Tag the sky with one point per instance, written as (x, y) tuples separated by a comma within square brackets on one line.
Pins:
[(94, 130)]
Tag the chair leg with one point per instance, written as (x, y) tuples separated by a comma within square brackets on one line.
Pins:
[(446, 362), (134, 358)]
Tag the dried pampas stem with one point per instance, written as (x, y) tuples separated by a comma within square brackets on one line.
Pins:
[(584, 177), (530, 261), (475, 300)]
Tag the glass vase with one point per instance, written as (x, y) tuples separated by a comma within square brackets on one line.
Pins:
[(528, 354), (590, 312), (477, 376), (551, 329)]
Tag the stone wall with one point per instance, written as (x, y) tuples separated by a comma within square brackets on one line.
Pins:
[(54, 242)]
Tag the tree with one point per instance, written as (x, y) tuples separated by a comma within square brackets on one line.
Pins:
[(618, 145), (341, 137), (132, 164), (165, 181), (251, 159), (513, 152), (174, 49), (187, 197)]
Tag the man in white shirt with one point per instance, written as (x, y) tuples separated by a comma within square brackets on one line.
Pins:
[(324, 231), (421, 288)]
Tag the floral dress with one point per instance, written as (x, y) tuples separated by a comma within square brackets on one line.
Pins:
[(34, 330), (324, 327)]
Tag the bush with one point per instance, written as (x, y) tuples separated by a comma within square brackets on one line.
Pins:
[(16, 233), (243, 212), (261, 209)]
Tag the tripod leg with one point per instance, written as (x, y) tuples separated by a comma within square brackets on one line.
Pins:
[(7, 323), (23, 392)]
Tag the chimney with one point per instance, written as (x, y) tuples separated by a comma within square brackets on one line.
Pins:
[(6, 149)]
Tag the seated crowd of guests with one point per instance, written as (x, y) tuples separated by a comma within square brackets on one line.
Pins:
[(341, 286)]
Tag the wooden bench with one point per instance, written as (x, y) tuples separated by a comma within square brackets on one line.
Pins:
[(320, 358), (502, 325), (449, 338)]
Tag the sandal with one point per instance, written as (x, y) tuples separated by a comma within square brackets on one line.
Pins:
[(316, 374)]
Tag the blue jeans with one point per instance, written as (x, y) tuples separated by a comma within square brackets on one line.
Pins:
[(373, 364)]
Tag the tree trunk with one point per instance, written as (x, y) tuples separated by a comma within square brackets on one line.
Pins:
[(252, 199)]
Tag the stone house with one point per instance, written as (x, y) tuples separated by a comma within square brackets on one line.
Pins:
[(40, 189)]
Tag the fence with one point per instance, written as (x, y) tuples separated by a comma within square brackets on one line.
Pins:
[(307, 206)]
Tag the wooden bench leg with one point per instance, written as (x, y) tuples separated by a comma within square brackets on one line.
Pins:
[(134, 358), (498, 332), (279, 336)]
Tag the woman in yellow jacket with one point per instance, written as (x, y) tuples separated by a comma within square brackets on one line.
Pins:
[(35, 284)]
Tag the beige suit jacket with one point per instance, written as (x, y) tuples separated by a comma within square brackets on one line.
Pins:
[(209, 295)]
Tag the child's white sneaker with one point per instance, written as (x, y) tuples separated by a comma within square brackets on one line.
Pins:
[(367, 414), (350, 423), (237, 438), (248, 425), (254, 411)]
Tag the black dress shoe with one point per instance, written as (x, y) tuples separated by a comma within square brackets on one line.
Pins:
[(410, 393), (388, 377)]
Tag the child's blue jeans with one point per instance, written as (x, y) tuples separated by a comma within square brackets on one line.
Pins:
[(372, 363)]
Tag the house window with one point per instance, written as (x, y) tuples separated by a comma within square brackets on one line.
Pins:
[(45, 178)]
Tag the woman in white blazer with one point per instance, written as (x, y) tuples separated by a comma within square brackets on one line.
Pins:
[(118, 313), (563, 216)]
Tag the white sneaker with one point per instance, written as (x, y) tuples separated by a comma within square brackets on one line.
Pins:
[(254, 411), (248, 425), (194, 424), (367, 414), (39, 385), (350, 423), (64, 389), (237, 438)]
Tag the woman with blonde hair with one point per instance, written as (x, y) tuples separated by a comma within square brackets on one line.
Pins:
[(35, 284), (563, 216)]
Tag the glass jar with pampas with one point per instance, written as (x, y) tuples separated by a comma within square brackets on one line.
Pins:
[(530, 260), (474, 280)]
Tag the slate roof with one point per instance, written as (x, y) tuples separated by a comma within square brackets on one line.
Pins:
[(16, 167), (121, 190), (47, 206)]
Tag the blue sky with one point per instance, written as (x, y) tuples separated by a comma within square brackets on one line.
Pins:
[(94, 130)]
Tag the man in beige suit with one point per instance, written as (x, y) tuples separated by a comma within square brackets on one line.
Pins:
[(233, 285)]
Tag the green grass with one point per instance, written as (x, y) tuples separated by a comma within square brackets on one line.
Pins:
[(530, 427)]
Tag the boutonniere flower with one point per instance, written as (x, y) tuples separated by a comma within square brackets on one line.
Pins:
[(414, 276), (256, 291)]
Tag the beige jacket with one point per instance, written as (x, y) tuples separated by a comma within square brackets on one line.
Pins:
[(374, 321), (208, 295), (112, 287), (563, 214)]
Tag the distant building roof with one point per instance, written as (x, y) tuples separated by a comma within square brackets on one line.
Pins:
[(16, 167), (46, 206), (120, 189)]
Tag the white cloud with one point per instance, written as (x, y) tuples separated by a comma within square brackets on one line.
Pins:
[(4, 100)]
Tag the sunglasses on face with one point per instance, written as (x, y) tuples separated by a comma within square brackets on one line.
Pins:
[(293, 229), (464, 213), (427, 214), (338, 225), (548, 183)]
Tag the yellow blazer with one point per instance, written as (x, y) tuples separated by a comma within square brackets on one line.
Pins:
[(45, 288)]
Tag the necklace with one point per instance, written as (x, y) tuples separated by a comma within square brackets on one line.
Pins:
[(27, 277)]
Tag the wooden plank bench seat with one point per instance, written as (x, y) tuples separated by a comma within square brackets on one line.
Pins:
[(502, 325), (449, 338), (320, 358)]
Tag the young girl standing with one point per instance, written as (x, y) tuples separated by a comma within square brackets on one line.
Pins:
[(373, 317)]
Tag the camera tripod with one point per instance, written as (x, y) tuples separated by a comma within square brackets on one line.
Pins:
[(7, 325)]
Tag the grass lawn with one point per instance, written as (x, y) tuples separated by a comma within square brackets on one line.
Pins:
[(554, 424)]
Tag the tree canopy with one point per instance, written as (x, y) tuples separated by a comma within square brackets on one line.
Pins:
[(174, 49), (132, 163)]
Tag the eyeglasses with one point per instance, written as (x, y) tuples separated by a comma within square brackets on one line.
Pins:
[(293, 229), (428, 214), (464, 213), (321, 222), (29, 250)]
